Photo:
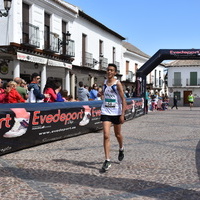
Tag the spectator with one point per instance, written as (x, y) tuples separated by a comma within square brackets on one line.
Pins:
[(82, 93), (22, 91), (13, 95), (2, 92), (128, 93), (50, 89), (64, 94), (24, 84), (70, 98), (94, 92), (58, 89), (100, 93), (147, 102), (175, 100), (35, 94)]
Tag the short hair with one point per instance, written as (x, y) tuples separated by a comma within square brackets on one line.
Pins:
[(18, 80), (23, 81), (80, 84), (113, 65), (34, 75), (57, 84), (12, 83)]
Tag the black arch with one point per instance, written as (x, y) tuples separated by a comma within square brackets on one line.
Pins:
[(156, 59)]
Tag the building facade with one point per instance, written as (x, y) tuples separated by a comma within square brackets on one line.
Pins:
[(183, 79), (35, 38), (56, 39), (133, 59)]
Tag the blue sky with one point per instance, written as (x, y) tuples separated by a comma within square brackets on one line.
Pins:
[(150, 25)]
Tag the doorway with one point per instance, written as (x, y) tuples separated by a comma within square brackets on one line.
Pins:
[(186, 93)]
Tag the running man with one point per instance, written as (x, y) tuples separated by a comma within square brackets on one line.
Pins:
[(191, 100), (112, 112)]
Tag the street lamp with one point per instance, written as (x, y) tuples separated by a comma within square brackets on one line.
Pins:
[(65, 41), (7, 6)]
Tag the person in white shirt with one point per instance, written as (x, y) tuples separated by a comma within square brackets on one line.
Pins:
[(112, 112)]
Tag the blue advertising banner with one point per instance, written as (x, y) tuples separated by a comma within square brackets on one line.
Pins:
[(23, 125)]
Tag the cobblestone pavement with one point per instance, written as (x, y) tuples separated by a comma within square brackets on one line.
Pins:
[(162, 161)]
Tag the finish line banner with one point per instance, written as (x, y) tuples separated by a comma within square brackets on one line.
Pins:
[(25, 125)]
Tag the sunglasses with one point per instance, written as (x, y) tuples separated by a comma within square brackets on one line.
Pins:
[(38, 78)]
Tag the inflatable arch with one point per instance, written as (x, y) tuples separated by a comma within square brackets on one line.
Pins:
[(156, 59)]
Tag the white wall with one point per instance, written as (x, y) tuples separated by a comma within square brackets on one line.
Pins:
[(185, 74), (94, 34)]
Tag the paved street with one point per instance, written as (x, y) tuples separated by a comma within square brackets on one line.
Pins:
[(162, 161)]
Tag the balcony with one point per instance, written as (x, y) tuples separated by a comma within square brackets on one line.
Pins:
[(192, 82), (87, 60), (129, 76), (30, 35), (177, 82), (68, 49), (103, 63), (51, 42), (118, 66)]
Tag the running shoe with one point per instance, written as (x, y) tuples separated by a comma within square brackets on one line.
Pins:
[(86, 119), (121, 155), (106, 165), (18, 129)]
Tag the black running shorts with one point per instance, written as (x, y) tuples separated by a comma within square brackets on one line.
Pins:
[(113, 119)]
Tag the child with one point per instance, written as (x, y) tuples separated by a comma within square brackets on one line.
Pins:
[(13, 95)]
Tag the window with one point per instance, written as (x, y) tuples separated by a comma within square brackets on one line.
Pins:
[(177, 79), (64, 25), (100, 48), (84, 37), (127, 67), (114, 54), (193, 78), (25, 27), (47, 31), (155, 78)]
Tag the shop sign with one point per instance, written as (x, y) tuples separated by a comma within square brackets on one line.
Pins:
[(59, 64), (31, 58)]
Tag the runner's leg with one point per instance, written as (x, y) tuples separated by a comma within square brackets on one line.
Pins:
[(117, 130), (106, 138)]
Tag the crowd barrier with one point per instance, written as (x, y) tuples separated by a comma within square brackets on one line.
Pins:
[(24, 125)]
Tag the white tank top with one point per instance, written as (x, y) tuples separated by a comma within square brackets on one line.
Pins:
[(112, 104)]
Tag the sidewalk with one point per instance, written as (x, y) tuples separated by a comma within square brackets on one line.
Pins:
[(162, 162)]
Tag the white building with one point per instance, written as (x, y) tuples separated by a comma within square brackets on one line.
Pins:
[(184, 78), (31, 38), (96, 46), (133, 59), (56, 39)]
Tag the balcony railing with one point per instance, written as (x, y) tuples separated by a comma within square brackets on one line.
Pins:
[(103, 63), (118, 66), (87, 60), (161, 83), (192, 82), (52, 42), (68, 49), (30, 35), (129, 76), (177, 82)]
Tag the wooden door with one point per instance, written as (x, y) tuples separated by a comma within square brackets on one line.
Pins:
[(186, 93)]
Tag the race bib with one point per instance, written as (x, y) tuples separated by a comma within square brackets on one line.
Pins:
[(110, 103)]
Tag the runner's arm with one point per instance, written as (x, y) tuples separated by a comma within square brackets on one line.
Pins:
[(121, 94)]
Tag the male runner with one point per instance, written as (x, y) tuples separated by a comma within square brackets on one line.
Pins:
[(112, 112)]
